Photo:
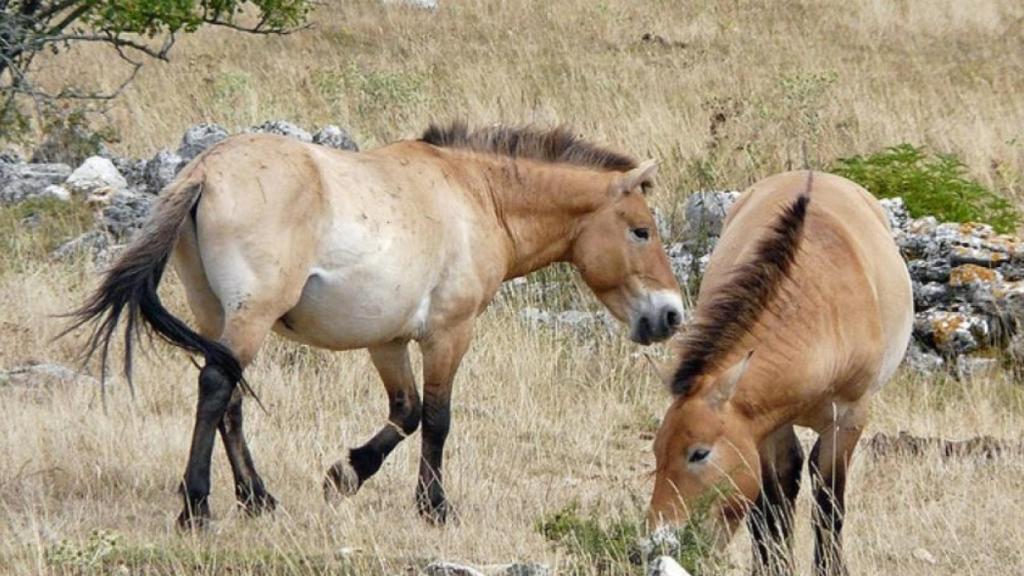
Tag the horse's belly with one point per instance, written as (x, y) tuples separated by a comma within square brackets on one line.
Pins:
[(343, 311)]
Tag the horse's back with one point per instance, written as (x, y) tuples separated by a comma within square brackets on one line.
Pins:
[(853, 308)]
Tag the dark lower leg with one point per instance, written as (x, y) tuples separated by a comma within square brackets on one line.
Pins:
[(771, 523), (828, 479), (215, 389), (392, 362), (430, 496), (249, 489)]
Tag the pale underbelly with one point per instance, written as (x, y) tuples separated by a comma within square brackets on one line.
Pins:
[(345, 313)]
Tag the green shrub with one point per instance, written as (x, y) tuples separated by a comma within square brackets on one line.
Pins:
[(613, 546), (935, 185)]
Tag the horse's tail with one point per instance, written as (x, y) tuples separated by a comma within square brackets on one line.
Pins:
[(129, 287)]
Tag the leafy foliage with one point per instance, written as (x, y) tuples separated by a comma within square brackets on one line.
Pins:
[(935, 185), (136, 30)]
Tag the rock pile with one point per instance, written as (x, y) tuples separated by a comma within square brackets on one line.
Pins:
[(123, 188), (968, 280)]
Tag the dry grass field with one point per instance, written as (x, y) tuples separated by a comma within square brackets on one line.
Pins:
[(723, 93)]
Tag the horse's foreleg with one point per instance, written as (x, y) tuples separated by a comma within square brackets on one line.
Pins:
[(442, 353), (771, 522), (829, 464), (392, 363), (250, 492)]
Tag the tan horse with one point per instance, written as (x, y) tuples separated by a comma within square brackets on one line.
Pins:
[(410, 241), (804, 313)]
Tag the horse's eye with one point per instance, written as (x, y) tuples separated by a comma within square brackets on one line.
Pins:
[(698, 455), (641, 234)]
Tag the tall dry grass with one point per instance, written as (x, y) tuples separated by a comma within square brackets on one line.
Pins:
[(541, 419), (723, 93)]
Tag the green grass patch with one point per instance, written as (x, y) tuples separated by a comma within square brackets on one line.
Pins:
[(613, 546), (31, 230), (930, 184)]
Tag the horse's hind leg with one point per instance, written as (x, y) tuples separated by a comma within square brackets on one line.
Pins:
[(771, 523), (392, 363), (243, 334), (829, 464), (250, 492)]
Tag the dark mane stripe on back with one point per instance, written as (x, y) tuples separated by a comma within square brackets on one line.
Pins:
[(735, 308), (557, 145)]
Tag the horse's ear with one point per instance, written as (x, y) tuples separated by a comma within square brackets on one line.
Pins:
[(725, 386), (642, 176)]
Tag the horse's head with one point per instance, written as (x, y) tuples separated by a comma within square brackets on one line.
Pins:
[(620, 256), (707, 463)]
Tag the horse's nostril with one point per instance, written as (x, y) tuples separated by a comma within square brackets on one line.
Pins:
[(673, 318)]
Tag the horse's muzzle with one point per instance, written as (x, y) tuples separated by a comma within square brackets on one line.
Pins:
[(658, 324)]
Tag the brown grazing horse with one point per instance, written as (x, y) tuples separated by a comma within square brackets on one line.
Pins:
[(804, 313), (340, 250)]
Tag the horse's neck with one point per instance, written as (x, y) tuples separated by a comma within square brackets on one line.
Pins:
[(539, 208)]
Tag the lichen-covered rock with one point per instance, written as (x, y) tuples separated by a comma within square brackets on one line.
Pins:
[(283, 128), (663, 541), (20, 182), (952, 332), (335, 137), (198, 138), (161, 169)]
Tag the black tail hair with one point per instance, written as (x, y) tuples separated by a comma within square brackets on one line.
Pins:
[(129, 290)]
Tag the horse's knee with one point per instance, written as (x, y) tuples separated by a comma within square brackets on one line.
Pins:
[(406, 411)]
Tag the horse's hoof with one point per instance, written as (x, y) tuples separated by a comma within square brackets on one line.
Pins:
[(436, 513), (257, 503), (342, 481), (193, 521)]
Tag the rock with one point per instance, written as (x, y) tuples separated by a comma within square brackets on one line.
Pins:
[(706, 211), (923, 360), (199, 138), (161, 169), (421, 4), (924, 556), (56, 192), (896, 212), (9, 156), (41, 374), (952, 333), (92, 242), (284, 129), (450, 569), (931, 294), (334, 137), (133, 170), (663, 541), (975, 368), (520, 569), (666, 566), (96, 179), (20, 182), (125, 213)]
